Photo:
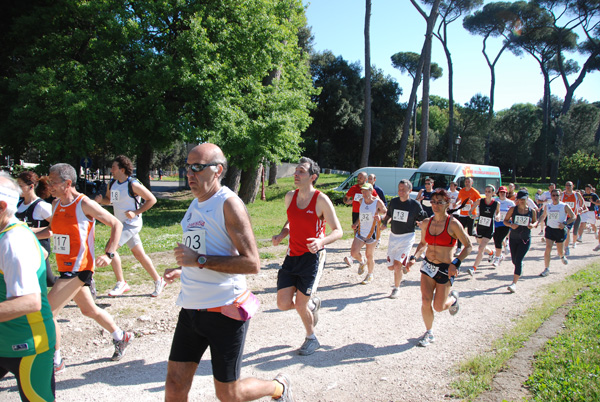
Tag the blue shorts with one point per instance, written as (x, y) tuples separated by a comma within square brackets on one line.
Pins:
[(197, 330), (302, 272)]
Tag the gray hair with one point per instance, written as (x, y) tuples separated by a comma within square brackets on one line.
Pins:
[(313, 167), (65, 172), (406, 182), (11, 186)]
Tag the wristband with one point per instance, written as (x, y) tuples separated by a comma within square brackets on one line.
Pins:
[(411, 258), (456, 263)]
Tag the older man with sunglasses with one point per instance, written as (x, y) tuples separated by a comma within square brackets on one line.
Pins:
[(217, 251)]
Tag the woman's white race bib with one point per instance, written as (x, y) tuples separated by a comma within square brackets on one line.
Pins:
[(521, 220), (485, 221)]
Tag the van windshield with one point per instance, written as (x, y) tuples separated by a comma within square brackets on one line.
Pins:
[(439, 180)]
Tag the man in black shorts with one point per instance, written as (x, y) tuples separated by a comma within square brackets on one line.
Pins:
[(218, 249)]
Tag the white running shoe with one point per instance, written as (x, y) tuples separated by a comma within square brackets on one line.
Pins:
[(564, 260), (545, 272), (159, 285), (348, 261), (361, 267), (512, 288), (454, 307), (119, 289), (496, 262), (471, 272), (395, 292), (426, 339)]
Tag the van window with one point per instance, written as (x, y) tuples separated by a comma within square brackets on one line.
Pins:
[(440, 180), (480, 182)]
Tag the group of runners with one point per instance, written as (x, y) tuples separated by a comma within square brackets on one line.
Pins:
[(218, 250)]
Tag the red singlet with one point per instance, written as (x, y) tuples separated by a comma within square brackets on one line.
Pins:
[(304, 224), (443, 239)]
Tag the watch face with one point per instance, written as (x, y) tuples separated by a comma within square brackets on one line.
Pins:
[(202, 260)]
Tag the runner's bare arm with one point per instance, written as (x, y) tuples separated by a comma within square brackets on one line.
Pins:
[(326, 211), (237, 222), (93, 210), (19, 306), (456, 230)]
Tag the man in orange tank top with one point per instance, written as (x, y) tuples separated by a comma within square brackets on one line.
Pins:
[(307, 211), (72, 230)]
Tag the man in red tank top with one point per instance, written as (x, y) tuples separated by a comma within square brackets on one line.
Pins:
[(307, 211)]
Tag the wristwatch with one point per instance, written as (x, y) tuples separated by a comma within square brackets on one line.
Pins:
[(110, 255), (201, 260)]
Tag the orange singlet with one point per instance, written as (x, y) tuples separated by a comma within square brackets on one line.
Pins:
[(73, 237), (571, 200)]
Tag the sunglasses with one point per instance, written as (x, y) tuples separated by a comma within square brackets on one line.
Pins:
[(198, 167), (438, 202)]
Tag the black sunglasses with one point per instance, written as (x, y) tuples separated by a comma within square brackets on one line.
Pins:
[(198, 167)]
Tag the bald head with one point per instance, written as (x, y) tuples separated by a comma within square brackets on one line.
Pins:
[(209, 153)]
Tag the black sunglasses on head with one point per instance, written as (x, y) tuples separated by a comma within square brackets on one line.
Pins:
[(198, 167)]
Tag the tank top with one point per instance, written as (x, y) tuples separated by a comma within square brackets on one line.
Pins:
[(572, 201), (487, 214), (443, 239), (505, 206), (522, 220), (27, 214), (73, 238), (304, 224), (123, 202), (366, 217), (556, 214), (426, 202)]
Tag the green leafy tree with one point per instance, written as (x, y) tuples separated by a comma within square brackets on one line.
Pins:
[(581, 167), (472, 127)]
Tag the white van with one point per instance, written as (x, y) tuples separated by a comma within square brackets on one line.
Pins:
[(387, 178), (443, 173)]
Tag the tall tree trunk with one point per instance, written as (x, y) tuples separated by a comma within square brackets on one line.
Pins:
[(144, 158), (425, 100), (450, 130), (232, 179), (545, 128), (414, 132), (417, 80), (249, 184), (364, 159), (272, 173)]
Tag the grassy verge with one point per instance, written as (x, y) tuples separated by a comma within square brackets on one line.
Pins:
[(476, 374), (568, 369)]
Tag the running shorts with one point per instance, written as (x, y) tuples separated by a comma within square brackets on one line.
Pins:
[(34, 374), (399, 248), (556, 235), (302, 272), (130, 236)]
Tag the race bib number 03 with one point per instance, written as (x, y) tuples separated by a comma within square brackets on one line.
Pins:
[(196, 240), (521, 220), (485, 221), (114, 196), (400, 215), (61, 244)]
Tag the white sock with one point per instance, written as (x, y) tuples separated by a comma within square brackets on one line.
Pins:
[(118, 335), (57, 357)]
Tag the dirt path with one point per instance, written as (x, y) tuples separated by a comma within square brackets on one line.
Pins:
[(368, 341)]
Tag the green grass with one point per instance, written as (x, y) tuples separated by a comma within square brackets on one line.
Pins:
[(476, 374), (568, 369)]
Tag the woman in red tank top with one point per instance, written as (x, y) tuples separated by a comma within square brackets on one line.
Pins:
[(438, 236)]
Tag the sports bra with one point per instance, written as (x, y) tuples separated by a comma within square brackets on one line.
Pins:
[(443, 239)]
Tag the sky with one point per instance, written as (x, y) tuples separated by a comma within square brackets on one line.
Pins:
[(396, 26)]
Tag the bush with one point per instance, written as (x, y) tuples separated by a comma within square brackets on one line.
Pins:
[(581, 169)]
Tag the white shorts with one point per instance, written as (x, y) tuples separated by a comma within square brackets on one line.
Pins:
[(588, 217), (130, 236), (399, 248)]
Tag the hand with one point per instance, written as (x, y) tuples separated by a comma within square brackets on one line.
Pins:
[(185, 256), (313, 244), (355, 226), (171, 274), (98, 198), (377, 218), (277, 239), (452, 270), (103, 261), (409, 264), (129, 214)]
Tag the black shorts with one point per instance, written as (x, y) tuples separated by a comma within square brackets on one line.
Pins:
[(467, 224), (556, 235), (84, 276), (302, 272), (198, 330), (485, 231), (441, 276)]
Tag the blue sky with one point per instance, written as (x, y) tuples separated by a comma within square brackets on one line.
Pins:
[(338, 25)]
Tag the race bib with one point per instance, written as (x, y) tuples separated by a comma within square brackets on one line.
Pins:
[(114, 196), (554, 216), (196, 240), (426, 203), (521, 220), (571, 204), (588, 204), (502, 215), (429, 269), (400, 215), (365, 217), (61, 244), (485, 221), (358, 197)]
